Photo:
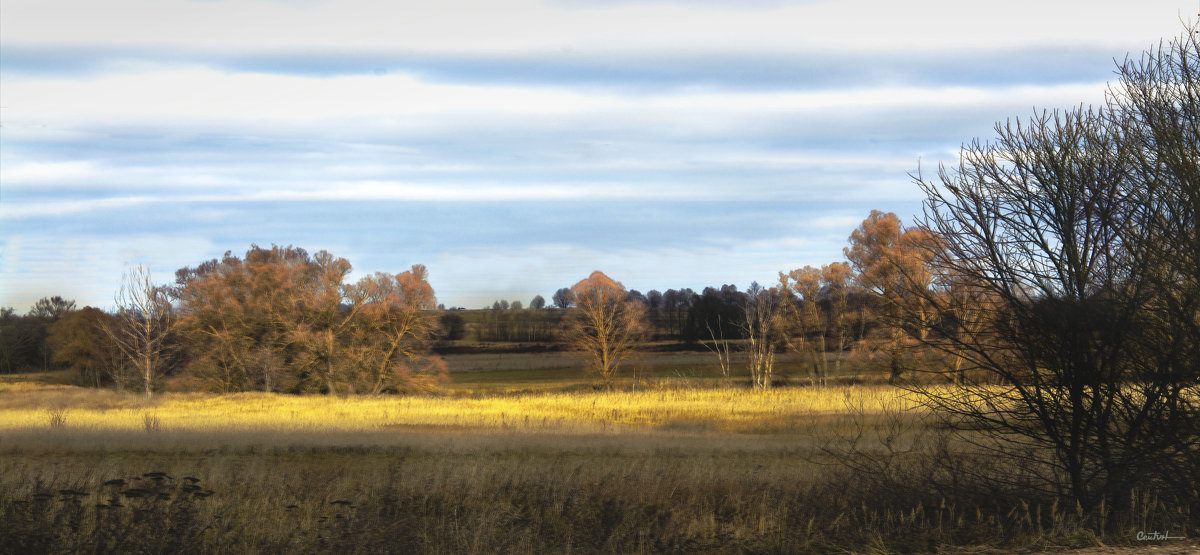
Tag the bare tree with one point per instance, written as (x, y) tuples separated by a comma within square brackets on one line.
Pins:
[(50, 309), (719, 346), (142, 328), (603, 325), (761, 323), (1157, 100), (562, 298), (1075, 229)]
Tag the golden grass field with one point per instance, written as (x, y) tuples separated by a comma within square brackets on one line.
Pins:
[(26, 407), (664, 467)]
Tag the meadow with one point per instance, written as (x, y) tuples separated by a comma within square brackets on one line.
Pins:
[(650, 466)]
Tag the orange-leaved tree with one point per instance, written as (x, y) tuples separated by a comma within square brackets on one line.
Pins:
[(389, 349), (284, 320), (603, 325), (816, 315), (893, 263)]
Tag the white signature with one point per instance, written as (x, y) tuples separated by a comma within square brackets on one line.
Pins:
[(1155, 536)]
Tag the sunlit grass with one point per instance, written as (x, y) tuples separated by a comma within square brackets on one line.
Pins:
[(713, 409)]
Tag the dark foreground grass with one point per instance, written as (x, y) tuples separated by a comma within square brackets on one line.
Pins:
[(506, 495)]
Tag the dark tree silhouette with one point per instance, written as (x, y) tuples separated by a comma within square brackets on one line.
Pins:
[(1075, 233)]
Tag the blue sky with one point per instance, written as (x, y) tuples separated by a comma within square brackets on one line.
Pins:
[(511, 146)]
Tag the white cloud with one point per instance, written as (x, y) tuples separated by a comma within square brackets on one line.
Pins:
[(16, 210), (401, 103), (525, 25), (46, 172)]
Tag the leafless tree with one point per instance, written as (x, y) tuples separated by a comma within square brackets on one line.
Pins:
[(761, 324), (50, 309), (719, 345), (141, 329), (602, 325), (1074, 235)]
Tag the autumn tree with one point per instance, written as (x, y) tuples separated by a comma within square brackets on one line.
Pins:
[(537, 303), (806, 326), (240, 316), (141, 330), (890, 262), (838, 282), (603, 325), (392, 330), (815, 315), (327, 311), (281, 319)]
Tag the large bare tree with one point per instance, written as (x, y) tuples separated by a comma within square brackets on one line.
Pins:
[(1074, 235)]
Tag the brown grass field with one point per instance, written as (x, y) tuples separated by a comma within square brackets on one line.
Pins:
[(504, 460)]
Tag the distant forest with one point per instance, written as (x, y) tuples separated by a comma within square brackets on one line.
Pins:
[(282, 319)]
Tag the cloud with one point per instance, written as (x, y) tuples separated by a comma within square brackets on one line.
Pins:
[(669, 143), (456, 26), (713, 68), (52, 172), (403, 102)]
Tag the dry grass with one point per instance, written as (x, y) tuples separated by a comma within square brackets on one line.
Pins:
[(677, 469), (24, 407)]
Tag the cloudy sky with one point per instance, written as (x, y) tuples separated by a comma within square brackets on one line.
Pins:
[(512, 146)]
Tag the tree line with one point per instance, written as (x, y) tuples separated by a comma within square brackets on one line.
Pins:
[(282, 319)]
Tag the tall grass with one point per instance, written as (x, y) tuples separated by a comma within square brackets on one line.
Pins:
[(713, 409), (686, 470)]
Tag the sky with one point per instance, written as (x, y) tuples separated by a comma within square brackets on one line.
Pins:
[(511, 146)]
